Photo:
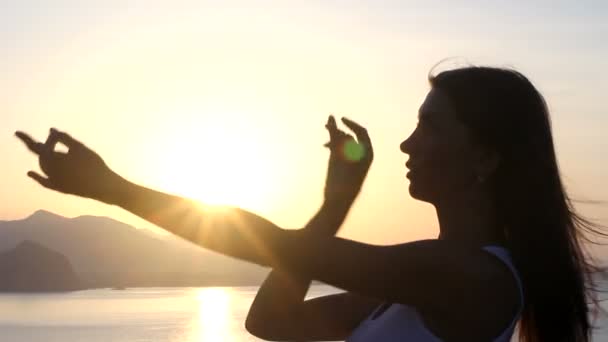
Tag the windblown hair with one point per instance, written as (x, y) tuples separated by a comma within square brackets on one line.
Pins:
[(544, 233)]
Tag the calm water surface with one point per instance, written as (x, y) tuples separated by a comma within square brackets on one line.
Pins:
[(143, 314)]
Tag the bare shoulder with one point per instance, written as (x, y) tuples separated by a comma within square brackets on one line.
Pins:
[(487, 297)]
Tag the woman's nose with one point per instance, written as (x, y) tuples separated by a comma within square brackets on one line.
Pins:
[(405, 145)]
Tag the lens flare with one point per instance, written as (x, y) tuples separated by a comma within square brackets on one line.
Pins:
[(353, 151)]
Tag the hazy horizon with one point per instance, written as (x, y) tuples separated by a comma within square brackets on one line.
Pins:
[(227, 101)]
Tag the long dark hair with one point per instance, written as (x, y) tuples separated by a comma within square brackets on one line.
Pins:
[(544, 233)]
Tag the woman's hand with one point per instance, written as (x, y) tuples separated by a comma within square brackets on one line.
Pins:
[(80, 171), (349, 161)]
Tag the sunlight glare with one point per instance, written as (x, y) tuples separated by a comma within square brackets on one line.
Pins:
[(214, 310), (217, 161)]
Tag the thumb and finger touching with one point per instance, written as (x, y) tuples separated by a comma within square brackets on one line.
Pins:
[(46, 150), (65, 139), (54, 137), (57, 136)]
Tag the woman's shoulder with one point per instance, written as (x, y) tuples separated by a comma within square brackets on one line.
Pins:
[(490, 298)]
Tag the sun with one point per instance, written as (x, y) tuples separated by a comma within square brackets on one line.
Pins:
[(217, 162)]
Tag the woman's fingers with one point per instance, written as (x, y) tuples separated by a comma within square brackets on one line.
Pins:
[(332, 128), (362, 136), (54, 137), (331, 121), (30, 143), (65, 138), (45, 182), (51, 141), (57, 136), (336, 136), (360, 131)]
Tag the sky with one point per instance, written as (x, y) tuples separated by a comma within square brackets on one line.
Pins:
[(226, 101)]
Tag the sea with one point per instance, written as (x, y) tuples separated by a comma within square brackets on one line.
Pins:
[(210, 314)]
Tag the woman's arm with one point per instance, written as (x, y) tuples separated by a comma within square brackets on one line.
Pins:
[(279, 310), (432, 274), (420, 273), (326, 318)]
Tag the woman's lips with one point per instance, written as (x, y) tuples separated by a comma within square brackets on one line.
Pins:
[(411, 168), (411, 165)]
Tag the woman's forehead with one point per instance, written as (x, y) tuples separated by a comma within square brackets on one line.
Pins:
[(436, 106), (435, 102)]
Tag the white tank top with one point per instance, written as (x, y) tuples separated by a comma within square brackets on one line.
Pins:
[(403, 323)]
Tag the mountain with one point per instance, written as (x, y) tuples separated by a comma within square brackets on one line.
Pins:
[(108, 253), (32, 267)]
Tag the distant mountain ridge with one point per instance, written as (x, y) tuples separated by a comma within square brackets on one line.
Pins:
[(107, 253), (31, 267)]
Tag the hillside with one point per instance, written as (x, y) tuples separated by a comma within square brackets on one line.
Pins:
[(31, 267), (105, 253)]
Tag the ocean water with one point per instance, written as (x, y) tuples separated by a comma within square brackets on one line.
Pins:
[(142, 314), (212, 314)]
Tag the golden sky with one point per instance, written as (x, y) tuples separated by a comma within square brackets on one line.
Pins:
[(227, 101)]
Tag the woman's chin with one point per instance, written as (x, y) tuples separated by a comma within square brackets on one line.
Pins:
[(413, 190), (416, 193)]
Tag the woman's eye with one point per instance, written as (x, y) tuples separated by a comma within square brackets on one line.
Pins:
[(427, 124)]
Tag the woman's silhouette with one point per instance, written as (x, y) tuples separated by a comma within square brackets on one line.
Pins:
[(510, 243)]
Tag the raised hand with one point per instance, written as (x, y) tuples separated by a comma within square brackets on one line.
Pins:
[(80, 171), (349, 161)]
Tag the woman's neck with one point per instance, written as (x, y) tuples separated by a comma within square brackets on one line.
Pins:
[(469, 220)]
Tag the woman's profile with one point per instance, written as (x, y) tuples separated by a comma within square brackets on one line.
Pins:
[(510, 249)]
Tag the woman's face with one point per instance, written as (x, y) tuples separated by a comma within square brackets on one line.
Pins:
[(443, 159)]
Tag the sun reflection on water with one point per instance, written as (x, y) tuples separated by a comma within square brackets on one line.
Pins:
[(214, 322)]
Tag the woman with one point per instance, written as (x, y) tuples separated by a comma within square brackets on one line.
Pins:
[(510, 243)]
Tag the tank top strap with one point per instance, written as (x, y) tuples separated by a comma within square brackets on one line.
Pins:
[(505, 256)]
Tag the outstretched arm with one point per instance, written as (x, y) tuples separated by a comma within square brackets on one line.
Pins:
[(82, 172), (426, 273)]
